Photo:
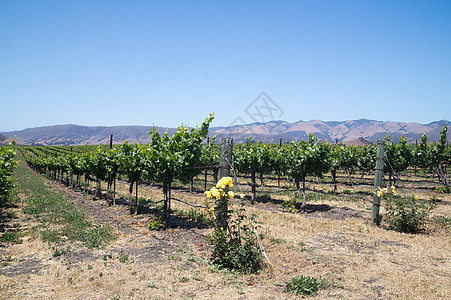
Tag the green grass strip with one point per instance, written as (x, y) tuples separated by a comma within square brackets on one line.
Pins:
[(59, 218)]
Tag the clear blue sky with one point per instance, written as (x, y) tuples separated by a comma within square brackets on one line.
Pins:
[(171, 62)]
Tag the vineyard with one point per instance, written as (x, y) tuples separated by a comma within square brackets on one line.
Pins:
[(305, 205)]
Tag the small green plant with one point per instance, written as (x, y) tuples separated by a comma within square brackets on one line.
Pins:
[(144, 201), (290, 206), (304, 285), (50, 236), (12, 237), (239, 288), (442, 189), (200, 261), (125, 259), (199, 217), (10, 214), (442, 221), (315, 196), (156, 224), (277, 240), (57, 253), (132, 291), (108, 256), (174, 258), (405, 214), (304, 248)]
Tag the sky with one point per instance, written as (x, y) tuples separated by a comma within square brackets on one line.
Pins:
[(167, 63)]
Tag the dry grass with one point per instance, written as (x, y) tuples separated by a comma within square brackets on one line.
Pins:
[(336, 242)]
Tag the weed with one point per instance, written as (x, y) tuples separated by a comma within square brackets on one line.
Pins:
[(57, 253), (10, 214), (200, 261), (144, 201), (314, 196), (304, 248), (304, 285), (116, 297), (125, 259), (132, 292), (196, 276), (12, 237), (274, 240), (443, 189), (173, 257), (108, 256), (239, 288), (199, 217), (50, 236), (442, 221), (290, 206), (156, 224), (337, 284)]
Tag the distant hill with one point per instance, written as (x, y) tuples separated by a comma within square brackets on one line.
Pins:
[(348, 132), (83, 135)]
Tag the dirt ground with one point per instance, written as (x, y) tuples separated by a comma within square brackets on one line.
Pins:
[(334, 240)]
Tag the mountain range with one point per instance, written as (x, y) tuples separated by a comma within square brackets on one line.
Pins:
[(361, 132)]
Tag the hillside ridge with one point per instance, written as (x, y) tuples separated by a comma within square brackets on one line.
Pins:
[(362, 131)]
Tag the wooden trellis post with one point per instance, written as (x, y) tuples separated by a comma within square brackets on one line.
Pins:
[(378, 182), (225, 164), (225, 160)]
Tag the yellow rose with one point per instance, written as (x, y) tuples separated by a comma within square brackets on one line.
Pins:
[(231, 194), (225, 181), (229, 182)]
